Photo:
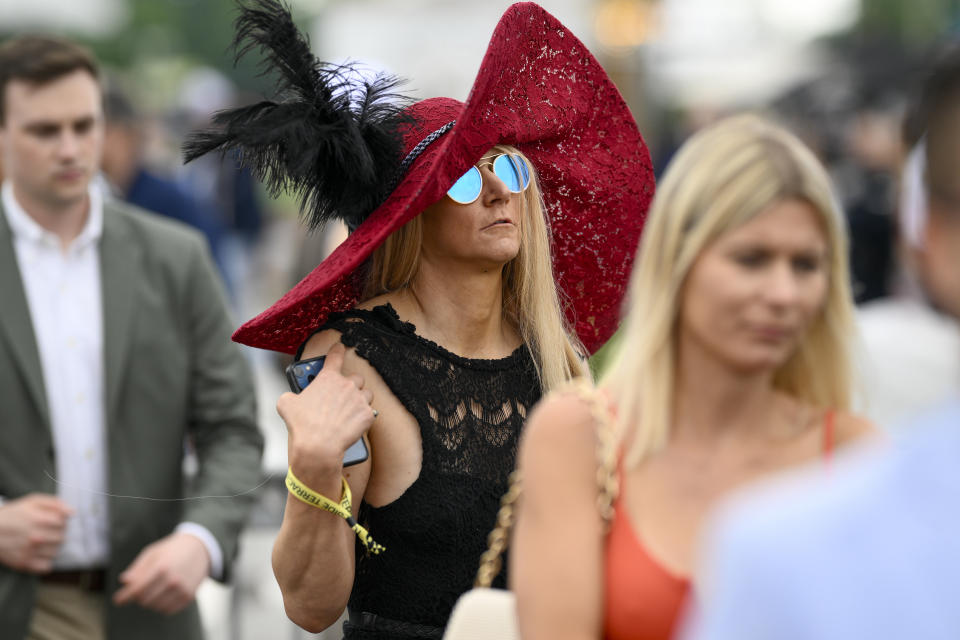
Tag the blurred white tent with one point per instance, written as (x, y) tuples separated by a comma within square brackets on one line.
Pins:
[(437, 44), (91, 18), (739, 52), (695, 52)]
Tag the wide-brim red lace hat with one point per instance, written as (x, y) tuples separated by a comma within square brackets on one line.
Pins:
[(540, 90)]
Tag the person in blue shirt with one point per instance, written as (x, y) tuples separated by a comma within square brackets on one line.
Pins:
[(124, 168)]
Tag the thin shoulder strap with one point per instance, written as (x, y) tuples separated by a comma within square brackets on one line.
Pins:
[(607, 483), (337, 321), (828, 434)]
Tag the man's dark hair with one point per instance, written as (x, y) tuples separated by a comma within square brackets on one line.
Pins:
[(38, 60), (118, 109), (938, 117), (941, 86), (933, 89)]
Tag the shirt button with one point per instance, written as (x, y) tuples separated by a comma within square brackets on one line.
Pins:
[(80, 398), (72, 342), (88, 454)]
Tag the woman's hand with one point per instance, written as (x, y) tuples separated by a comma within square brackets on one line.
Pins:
[(324, 419)]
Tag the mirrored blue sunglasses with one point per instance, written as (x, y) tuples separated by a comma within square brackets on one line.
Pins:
[(509, 167)]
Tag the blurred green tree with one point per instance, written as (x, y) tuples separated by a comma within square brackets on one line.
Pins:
[(194, 32), (913, 23), (180, 34)]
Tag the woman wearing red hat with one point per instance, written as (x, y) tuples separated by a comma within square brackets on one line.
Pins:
[(491, 241), (734, 365)]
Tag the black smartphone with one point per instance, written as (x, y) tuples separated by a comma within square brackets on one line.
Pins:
[(299, 375)]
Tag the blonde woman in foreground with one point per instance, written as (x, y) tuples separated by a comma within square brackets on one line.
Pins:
[(734, 365)]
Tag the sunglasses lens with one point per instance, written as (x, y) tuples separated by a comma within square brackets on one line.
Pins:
[(524, 171), (507, 170), (467, 188)]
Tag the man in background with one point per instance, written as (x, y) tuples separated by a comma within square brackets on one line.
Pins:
[(124, 166), (114, 352), (901, 377), (872, 548)]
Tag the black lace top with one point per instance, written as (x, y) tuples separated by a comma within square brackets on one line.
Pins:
[(470, 414)]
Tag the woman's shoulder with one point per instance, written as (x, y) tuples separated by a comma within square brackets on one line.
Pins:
[(368, 318), (562, 423), (558, 458), (849, 427), (319, 343), (839, 427)]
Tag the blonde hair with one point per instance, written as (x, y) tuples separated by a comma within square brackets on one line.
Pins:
[(531, 301), (721, 178)]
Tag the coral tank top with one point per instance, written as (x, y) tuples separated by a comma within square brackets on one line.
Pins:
[(643, 599)]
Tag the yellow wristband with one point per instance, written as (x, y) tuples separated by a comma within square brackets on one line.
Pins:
[(344, 509)]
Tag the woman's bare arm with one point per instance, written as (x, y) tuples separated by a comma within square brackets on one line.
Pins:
[(556, 557), (313, 555)]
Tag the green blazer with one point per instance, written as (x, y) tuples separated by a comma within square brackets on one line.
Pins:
[(171, 374)]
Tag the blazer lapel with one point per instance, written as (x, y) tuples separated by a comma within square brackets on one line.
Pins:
[(121, 275), (15, 320)]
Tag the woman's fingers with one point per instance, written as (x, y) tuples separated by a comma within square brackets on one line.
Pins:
[(335, 357)]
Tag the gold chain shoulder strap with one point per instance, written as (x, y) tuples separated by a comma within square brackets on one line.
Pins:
[(607, 482)]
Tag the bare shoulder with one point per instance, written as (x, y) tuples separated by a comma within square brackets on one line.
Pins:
[(850, 427), (320, 344), (560, 416), (561, 427)]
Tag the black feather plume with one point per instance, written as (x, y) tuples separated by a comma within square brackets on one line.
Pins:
[(331, 137)]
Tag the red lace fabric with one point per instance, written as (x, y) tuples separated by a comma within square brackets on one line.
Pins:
[(541, 90)]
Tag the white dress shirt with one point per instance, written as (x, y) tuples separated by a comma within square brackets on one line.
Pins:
[(910, 359), (63, 291)]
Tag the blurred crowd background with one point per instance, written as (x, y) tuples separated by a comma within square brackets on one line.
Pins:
[(840, 73)]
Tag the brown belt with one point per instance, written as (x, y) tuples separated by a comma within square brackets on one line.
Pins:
[(87, 579)]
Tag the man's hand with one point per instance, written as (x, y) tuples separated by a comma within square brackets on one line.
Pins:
[(166, 574), (31, 531)]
